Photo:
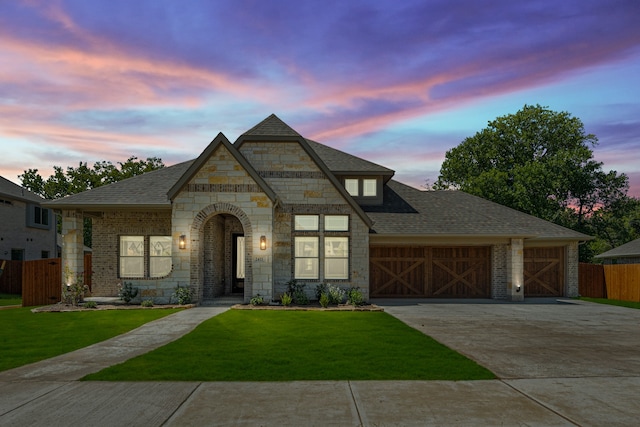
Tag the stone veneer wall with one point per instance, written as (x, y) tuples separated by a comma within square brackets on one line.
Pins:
[(107, 230), (499, 257), (304, 189), (222, 186), (573, 284)]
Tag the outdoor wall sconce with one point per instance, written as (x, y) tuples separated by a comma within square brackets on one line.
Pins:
[(517, 288), (263, 243), (182, 243)]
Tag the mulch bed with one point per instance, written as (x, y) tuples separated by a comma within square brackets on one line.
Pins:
[(61, 308), (311, 307)]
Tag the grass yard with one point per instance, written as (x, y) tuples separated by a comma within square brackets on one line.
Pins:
[(275, 345), (628, 304), (10, 299), (27, 337)]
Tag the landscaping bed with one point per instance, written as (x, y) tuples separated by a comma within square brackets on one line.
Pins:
[(61, 307), (310, 307)]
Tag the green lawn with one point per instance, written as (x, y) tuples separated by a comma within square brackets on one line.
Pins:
[(27, 337), (628, 304), (10, 299), (273, 345)]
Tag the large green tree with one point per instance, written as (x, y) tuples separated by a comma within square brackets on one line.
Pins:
[(537, 161), (73, 180)]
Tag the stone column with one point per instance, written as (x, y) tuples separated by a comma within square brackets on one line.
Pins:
[(515, 270), (72, 246)]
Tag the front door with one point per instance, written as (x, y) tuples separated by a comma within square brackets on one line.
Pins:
[(237, 286)]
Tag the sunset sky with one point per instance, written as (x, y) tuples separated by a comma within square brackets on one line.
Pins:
[(395, 82)]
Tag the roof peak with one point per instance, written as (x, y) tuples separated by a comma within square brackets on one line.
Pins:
[(272, 126)]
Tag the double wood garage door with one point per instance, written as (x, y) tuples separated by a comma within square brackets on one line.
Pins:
[(456, 272)]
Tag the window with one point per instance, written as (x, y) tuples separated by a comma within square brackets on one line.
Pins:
[(17, 254), (159, 256), (351, 185), (38, 217), (336, 257), (336, 223), (369, 187), (44, 254), (41, 216), (306, 222), (306, 258), (131, 256)]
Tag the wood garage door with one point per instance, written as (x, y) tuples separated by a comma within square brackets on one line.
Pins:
[(544, 272), (426, 272)]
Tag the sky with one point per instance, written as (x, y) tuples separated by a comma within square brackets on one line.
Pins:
[(395, 82)]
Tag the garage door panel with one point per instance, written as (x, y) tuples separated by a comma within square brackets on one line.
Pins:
[(452, 272), (544, 271)]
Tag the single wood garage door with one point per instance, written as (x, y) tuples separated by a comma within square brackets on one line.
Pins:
[(430, 272), (544, 272)]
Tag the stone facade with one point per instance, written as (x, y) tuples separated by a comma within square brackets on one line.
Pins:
[(499, 258), (572, 262)]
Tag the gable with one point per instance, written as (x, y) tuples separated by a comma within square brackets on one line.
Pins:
[(220, 164)]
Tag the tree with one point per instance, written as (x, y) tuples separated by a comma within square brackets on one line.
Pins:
[(536, 161), (76, 180)]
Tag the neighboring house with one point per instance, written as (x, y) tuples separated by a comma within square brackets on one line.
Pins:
[(246, 218), (629, 253), (27, 230)]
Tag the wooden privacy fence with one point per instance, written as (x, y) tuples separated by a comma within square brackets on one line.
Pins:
[(623, 281), (40, 281), (591, 279), (11, 278), (620, 282)]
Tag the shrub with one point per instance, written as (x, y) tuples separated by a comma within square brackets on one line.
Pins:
[(354, 297), (147, 303), (127, 292), (257, 300), (296, 290), (321, 289), (183, 294), (90, 304), (324, 299), (73, 293), (336, 294), (286, 299)]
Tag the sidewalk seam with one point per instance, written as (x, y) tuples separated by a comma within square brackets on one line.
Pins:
[(533, 399), (355, 403)]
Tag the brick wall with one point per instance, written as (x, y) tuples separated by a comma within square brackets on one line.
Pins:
[(106, 232), (499, 255)]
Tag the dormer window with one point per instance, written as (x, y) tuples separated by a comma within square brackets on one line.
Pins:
[(369, 187), (365, 191), (352, 186)]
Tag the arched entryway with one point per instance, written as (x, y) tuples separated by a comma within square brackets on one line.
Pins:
[(223, 266)]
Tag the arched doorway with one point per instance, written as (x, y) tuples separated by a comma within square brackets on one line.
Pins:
[(221, 257)]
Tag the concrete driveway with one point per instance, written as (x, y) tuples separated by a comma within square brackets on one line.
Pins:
[(539, 339), (580, 360)]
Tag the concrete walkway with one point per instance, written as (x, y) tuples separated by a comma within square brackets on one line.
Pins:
[(566, 392)]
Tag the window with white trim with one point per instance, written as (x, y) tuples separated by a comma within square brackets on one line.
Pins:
[(159, 256), (131, 256)]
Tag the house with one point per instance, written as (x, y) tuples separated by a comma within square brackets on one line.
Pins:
[(246, 218), (27, 229), (629, 253)]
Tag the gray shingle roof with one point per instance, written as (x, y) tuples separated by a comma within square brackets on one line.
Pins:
[(148, 190), (342, 163), (449, 213), (630, 249), (271, 126), (9, 190)]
